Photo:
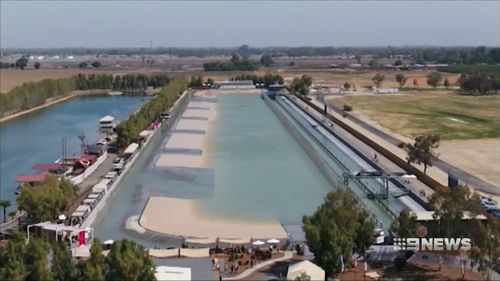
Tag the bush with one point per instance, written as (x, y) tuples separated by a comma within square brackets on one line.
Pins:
[(347, 107)]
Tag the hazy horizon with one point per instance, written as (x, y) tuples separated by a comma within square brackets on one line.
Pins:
[(222, 24)]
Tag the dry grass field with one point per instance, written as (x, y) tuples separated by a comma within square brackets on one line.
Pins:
[(410, 114), (468, 125)]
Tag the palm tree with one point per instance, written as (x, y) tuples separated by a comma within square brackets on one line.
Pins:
[(5, 204)]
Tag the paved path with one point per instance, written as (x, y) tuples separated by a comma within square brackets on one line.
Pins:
[(445, 167), (288, 255)]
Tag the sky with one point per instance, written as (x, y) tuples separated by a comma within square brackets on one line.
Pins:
[(49, 24)]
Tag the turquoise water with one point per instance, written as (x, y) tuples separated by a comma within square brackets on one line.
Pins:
[(36, 137), (259, 171)]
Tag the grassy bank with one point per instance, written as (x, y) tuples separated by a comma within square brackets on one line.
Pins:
[(450, 115)]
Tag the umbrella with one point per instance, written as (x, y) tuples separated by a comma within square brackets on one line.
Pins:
[(62, 217), (108, 242), (258, 243), (273, 241)]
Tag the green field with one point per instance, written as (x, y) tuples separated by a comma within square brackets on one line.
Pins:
[(452, 116)]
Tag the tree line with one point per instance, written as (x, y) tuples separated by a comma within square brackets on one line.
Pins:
[(235, 63), (126, 260), (119, 82), (449, 55), (268, 79), (479, 83), (129, 129), (33, 94)]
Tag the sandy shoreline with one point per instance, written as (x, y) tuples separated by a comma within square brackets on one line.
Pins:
[(55, 101), (180, 217)]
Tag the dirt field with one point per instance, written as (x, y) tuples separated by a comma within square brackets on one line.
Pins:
[(479, 157), (412, 272)]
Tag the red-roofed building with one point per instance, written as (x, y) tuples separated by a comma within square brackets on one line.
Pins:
[(56, 168), (33, 178)]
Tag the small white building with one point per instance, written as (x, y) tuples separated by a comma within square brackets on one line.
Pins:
[(305, 267), (173, 273)]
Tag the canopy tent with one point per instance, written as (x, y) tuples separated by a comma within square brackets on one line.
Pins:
[(93, 196), (131, 148), (204, 241), (110, 175), (273, 241), (195, 252), (105, 182), (145, 133), (107, 119), (163, 253), (98, 189), (236, 241), (305, 267), (89, 201), (258, 243)]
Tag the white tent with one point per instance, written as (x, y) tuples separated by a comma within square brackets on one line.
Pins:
[(107, 118), (131, 148), (172, 273), (258, 243), (306, 267)]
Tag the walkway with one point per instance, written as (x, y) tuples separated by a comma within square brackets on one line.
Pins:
[(392, 141), (288, 255)]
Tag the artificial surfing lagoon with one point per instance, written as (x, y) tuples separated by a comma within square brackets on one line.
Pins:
[(257, 170)]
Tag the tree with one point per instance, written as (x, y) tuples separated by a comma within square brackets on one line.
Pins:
[(47, 200), (13, 267), (405, 225), (92, 269), (415, 83), (292, 63), (434, 78), (266, 60), (398, 63), (450, 206), (378, 79), (347, 86), (36, 260), (5, 204), (63, 267), (129, 261), (446, 83), (83, 64), (337, 227), (22, 63), (37, 65), (374, 63), (301, 85), (210, 81), (96, 64), (421, 152), (401, 79)]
